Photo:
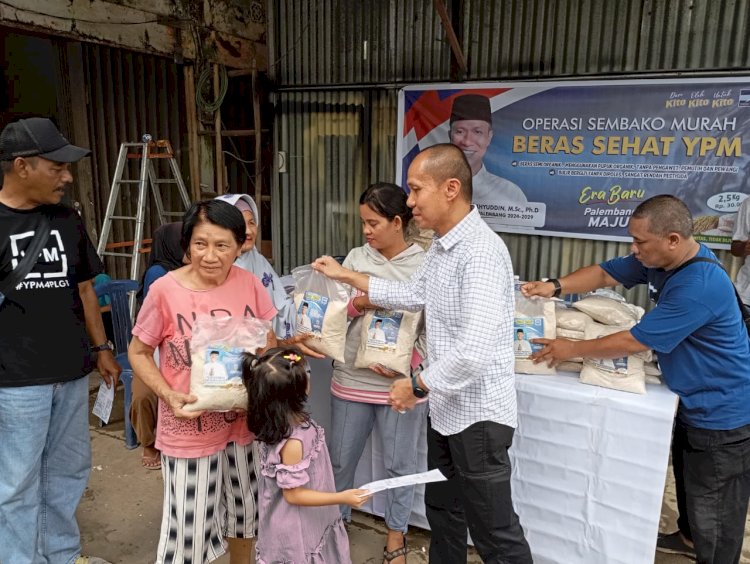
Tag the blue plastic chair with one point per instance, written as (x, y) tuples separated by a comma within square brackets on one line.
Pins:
[(117, 291)]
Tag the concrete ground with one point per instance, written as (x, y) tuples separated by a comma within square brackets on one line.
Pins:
[(120, 513)]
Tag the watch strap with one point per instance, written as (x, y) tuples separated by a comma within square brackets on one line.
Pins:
[(416, 389), (108, 346), (557, 285)]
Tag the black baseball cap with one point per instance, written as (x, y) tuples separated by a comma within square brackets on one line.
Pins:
[(38, 137)]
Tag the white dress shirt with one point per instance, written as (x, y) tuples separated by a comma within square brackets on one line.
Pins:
[(490, 189), (465, 286), (523, 347)]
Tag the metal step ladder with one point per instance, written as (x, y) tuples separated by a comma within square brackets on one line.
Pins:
[(146, 152)]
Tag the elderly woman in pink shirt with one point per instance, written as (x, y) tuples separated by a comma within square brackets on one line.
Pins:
[(210, 476)]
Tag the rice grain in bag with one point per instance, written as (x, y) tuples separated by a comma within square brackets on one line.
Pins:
[(216, 349), (387, 338), (625, 374), (534, 318), (609, 311), (571, 319), (321, 305)]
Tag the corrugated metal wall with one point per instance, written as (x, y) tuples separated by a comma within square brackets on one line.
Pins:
[(357, 42), (337, 143), (131, 94), (555, 38), (338, 50)]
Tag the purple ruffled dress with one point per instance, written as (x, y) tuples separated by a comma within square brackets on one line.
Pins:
[(292, 533)]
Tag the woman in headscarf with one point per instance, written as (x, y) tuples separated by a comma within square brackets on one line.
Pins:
[(166, 256), (166, 253), (253, 261)]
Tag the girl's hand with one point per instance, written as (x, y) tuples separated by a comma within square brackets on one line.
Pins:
[(354, 498), (178, 400)]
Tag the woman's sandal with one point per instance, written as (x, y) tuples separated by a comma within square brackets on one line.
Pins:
[(393, 554), (151, 462)]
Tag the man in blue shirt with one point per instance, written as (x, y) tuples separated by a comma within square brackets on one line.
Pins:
[(704, 353)]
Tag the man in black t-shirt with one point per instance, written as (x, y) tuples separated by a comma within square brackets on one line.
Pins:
[(48, 324)]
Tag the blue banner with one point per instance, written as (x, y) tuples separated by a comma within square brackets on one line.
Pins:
[(574, 159)]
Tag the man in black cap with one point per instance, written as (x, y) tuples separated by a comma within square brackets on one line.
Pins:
[(47, 308), (471, 131)]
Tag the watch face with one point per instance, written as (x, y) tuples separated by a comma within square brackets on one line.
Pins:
[(416, 390)]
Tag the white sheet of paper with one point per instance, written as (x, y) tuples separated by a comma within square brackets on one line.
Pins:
[(410, 480), (104, 400)]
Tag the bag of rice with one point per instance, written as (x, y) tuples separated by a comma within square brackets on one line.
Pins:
[(571, 336), (534, 318), (570, 366), (646, 356), (653, 379), (216, 350), (568, 334), (609, 311), (625, 374), (571, 319), (320, 304), (387, 339), (653, 372)]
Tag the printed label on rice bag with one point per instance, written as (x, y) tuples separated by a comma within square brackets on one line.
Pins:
[(311, 312), (616, 365), (382, 334), (525, 329), (223, 366)]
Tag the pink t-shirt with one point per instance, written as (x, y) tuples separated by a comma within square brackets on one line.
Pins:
[(165, 321)]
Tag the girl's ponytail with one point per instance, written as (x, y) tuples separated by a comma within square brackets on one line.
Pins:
[(276, 385)]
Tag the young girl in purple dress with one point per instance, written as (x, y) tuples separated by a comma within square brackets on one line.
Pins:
[(299, 518)]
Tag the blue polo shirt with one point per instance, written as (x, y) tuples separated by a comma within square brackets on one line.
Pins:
[(697, 331)]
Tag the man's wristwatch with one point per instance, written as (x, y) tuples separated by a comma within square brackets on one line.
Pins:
[(416, 390), (108, 346), (558, 287)]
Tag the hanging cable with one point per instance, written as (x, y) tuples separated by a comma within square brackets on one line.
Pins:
[(204, 81)]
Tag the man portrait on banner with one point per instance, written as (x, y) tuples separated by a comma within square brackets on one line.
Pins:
[(471, 131)]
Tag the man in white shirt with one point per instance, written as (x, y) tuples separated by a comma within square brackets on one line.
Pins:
[(741, 248), (470, 378), (376, 334), (521, 345), (214, 371), (471, 131), (304, 323)]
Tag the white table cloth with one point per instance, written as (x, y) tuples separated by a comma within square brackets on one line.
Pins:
[(589, 466)]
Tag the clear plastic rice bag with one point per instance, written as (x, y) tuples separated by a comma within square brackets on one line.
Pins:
[(320, 305), (216, 350), (534, 318), (387, 339)]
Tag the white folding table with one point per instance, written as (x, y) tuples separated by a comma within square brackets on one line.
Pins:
[(589, 466)]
